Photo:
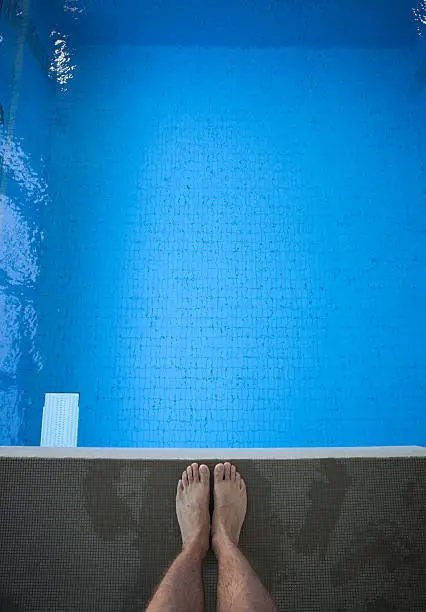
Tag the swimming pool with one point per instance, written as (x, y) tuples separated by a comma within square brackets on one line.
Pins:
[(213, 222)]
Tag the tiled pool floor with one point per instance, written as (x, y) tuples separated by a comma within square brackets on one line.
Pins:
[(233, 250)]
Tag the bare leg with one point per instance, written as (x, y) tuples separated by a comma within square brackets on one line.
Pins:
[(182, 587), (239, 589)]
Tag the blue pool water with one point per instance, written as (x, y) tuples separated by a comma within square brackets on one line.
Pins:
[(213, 221)]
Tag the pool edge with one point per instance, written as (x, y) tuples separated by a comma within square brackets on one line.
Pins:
[(211, 453)]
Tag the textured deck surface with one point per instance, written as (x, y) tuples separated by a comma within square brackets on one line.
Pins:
[(325, 535)]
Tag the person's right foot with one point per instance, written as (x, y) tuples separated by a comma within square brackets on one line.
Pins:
[(230, 504), (192, 507)]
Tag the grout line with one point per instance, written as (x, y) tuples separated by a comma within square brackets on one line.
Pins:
[(211, 453)]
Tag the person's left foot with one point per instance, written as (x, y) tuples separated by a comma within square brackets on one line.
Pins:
[(192, 507)]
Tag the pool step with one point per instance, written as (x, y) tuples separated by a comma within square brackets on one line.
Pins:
[(59, 426)]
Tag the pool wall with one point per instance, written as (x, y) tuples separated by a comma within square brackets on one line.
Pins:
[(26, 96)]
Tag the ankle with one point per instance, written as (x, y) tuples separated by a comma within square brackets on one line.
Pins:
[(221, 542), (196, 546)]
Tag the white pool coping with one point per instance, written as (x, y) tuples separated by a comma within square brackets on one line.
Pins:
[(211, 453)]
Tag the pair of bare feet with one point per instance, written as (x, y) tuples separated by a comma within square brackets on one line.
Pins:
[(238, 586), (192, 506)]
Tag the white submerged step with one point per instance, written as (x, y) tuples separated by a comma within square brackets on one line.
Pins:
[(59, 426)]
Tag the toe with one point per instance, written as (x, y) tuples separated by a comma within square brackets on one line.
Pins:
[(195, 472), (237, 476), (190, 474), (179, 486), (233, 472), (227, 470), (218, 472), (242, 485), (185, 479), (204, 473)]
